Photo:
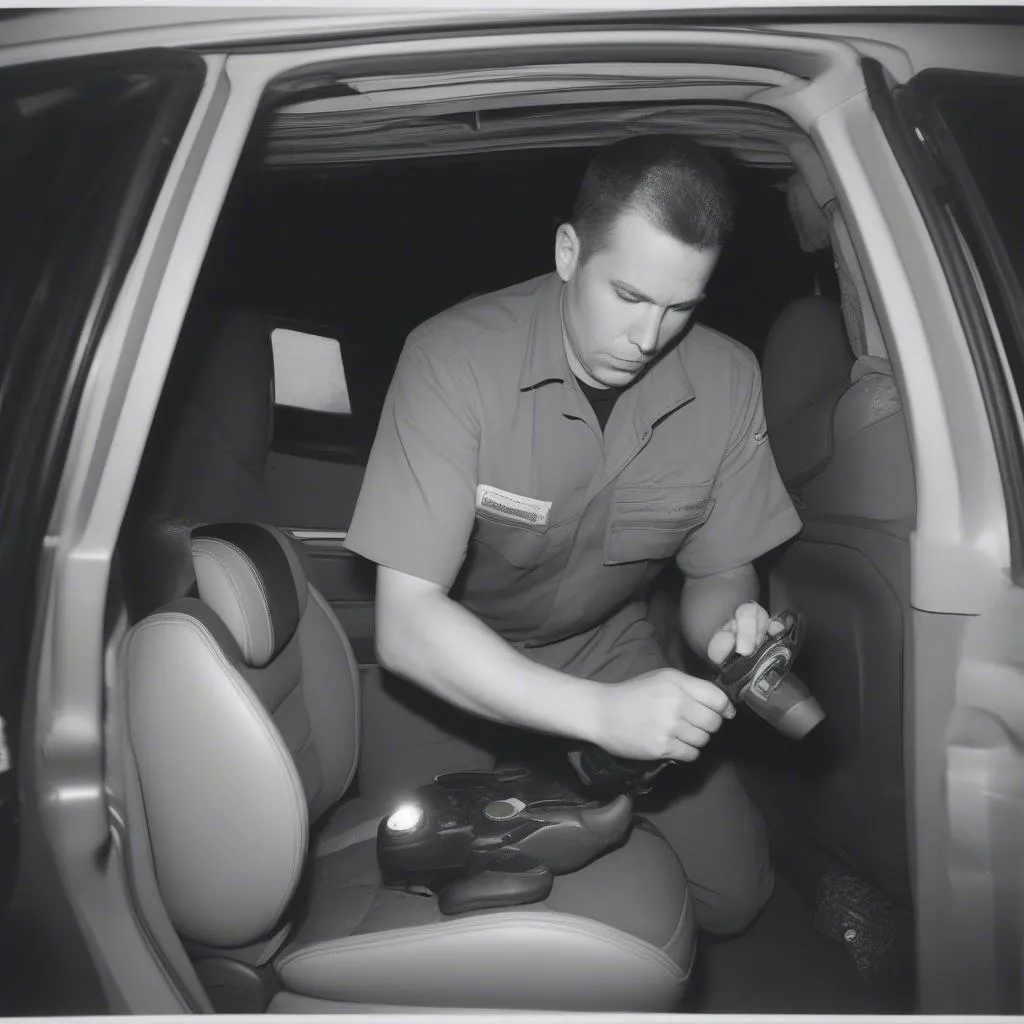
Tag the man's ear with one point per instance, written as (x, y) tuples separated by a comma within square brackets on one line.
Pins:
[(567, 251)]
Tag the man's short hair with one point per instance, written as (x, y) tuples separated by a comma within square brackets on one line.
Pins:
[(672, 181)]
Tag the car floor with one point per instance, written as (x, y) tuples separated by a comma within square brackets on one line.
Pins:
[(781, 964)]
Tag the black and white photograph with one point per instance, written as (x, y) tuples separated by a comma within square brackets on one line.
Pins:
[(512, 509)]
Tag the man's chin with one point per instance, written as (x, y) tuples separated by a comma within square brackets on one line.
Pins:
[(620, 376)]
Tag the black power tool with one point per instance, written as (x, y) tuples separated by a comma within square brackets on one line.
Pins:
[(495, 839), (765, 683), (761, 680)]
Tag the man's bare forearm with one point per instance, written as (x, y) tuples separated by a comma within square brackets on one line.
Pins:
[(709, 601), (425, 636)]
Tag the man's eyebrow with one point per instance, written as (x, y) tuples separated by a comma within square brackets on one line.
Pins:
[(635, 294)]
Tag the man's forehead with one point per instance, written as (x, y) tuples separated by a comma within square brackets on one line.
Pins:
[(632, 231), (644, 256)]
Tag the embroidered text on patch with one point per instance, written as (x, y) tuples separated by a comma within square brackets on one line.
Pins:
[(512, 508)]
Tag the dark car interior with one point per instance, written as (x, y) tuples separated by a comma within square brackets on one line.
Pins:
[(359, 254)]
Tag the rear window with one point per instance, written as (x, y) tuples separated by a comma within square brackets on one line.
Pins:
[(329, 385), (976, 123), (309, 372)]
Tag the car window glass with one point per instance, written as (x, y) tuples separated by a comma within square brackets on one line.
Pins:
[(309, 372), (987, 133), (974, 123), (84, 148)]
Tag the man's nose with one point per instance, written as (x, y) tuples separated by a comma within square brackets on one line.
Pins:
[(646, 330)]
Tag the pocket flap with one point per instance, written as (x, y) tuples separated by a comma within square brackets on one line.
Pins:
[(650, 522), (519, 545), (655, 503)]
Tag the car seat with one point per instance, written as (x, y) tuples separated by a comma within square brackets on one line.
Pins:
[(242, 713), (209, 459)]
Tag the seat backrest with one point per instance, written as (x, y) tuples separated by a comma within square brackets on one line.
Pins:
[(838, 433), (243, 716), (805, 371), (209, 448), (841, 443)]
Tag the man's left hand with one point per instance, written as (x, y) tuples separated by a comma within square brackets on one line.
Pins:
[(743, 633)]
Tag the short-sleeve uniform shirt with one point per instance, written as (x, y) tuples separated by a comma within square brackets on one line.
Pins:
[(490, 476)]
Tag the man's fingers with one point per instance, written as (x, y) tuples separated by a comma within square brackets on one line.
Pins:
[(702, 717), (686, 753), (711, 697), (751, 624), (721, 645), (690, 734), (743, 633)]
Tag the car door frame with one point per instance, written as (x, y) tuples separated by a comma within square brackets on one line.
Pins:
[(70, 887), (967, 781)]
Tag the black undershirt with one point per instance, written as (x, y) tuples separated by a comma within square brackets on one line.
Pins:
[(602, 401)]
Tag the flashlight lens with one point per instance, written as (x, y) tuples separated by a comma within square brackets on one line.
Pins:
[(406, 818)]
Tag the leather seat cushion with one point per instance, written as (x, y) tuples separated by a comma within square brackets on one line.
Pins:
[(618, 934)]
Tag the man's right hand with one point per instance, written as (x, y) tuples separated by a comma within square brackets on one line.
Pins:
[(661, 715)]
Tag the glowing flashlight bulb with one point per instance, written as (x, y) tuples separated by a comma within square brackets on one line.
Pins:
[(406, 818)]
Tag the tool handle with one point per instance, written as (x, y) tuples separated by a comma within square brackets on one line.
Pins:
[(606, 772), (507, 880)]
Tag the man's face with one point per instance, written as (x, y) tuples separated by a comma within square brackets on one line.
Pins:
[(629, 300)]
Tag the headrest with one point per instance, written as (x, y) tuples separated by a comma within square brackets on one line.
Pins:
[(819, 224), (806, 356), (251, 576), (805, 370), (233, 383), (809, 220)]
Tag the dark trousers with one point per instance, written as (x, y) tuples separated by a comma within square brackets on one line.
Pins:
[(702, 807)]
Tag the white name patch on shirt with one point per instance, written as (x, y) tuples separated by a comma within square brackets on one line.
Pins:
[(511, 508)]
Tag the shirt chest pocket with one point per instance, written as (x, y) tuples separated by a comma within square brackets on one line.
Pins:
[(650, 522), (519, 545)]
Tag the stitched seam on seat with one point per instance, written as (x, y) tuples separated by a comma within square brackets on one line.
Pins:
[(250, 643), (263, 591), (693, 960), (299, 577), (263, 721), (306, 743), (353, 671), (266, 600), (564, 923), (674, 937), (251, 566)]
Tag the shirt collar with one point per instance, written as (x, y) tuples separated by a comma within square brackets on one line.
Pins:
[(663, 388), (545, 353)]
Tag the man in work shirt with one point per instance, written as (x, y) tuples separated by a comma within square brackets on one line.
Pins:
[(542, 453)]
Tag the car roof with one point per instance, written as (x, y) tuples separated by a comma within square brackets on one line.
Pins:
[(70, 31)]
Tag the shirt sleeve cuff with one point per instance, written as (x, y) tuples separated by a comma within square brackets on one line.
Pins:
[(783, 526)]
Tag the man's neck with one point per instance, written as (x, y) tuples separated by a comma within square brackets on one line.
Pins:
[(578, 370)]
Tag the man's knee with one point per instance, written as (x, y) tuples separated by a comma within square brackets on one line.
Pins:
[(722, 840), (727, 913)]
